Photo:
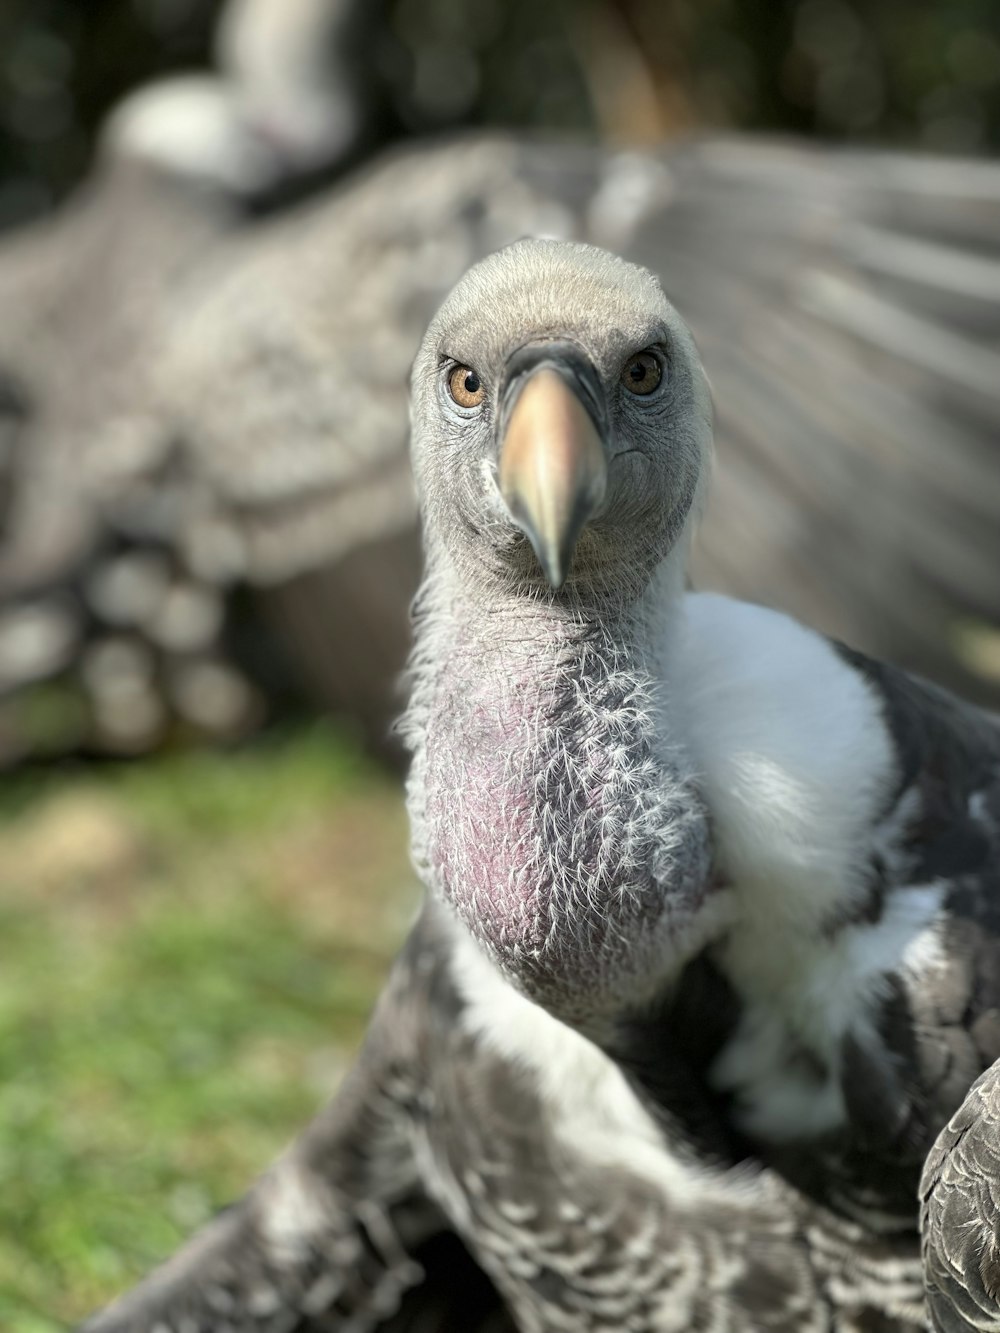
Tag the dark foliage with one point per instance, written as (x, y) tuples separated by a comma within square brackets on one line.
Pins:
[(884, 71)]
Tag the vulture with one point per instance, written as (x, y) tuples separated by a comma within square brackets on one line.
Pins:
[(241, 521), (631, 775), (709, 954)]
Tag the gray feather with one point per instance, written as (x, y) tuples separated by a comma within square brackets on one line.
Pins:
[(960, 1214)]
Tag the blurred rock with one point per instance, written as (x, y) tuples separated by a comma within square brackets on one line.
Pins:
[(187, 619), (128, 589), (36, 640), (214, 698), (128, 714)]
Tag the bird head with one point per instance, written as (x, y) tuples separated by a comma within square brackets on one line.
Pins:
[(561, 422)]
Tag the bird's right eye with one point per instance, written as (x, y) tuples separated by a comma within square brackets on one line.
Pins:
[(642, 374), (465, 387)]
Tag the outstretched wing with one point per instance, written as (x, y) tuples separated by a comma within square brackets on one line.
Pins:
[(848, 310), (476, 1119), (846, 306), (368, 1270), (341, 1232), (960, 1214)]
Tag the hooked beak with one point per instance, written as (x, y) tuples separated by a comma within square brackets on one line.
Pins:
[(552, 466)]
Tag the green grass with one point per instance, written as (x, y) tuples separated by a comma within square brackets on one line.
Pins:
[(190, 947)]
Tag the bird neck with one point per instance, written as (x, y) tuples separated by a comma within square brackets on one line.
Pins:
[(547, 806), (483, 639)]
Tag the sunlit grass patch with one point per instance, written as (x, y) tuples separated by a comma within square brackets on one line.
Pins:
[(190, 947)]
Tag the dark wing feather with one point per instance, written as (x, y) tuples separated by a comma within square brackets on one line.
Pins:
[(960, 1214), (933, 1029), (401, 1271)]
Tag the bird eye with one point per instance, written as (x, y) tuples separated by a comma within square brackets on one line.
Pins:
[(465, 387), (642, 373)]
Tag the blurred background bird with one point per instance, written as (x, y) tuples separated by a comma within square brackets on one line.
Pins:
[(224, 229)]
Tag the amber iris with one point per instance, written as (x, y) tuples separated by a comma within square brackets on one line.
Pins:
[(642, 373), (466, 387)]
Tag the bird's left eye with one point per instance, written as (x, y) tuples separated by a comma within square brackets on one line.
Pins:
[(465, 387), (642, 373)]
